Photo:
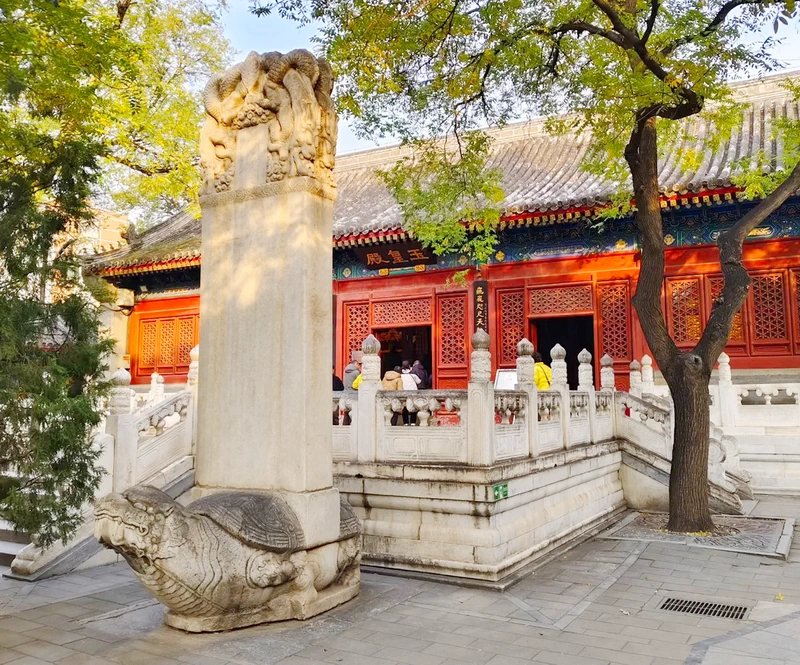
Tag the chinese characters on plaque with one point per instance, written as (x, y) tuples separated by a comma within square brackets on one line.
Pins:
[(398, 255), (480, 293)]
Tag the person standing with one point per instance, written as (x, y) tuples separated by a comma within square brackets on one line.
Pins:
[(393, 380), (352, 371), (337, 382), (418, 369), (410, 382), (542, 374)]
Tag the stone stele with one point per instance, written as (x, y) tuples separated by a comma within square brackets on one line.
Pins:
[(267, 538)]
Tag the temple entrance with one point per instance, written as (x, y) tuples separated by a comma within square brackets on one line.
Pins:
[(574, 333), (407, 343)]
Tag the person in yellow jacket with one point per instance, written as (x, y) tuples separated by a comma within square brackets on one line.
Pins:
[(542, 374)]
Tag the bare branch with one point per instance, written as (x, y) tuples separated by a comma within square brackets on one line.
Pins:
[(737, 281), (655, 5), (715, 23)]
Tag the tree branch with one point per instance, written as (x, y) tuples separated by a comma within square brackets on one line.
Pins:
[(737, 281), (715, 22), (584, 26), (641, 153), (616, 20), (141, 168), (655, 5)]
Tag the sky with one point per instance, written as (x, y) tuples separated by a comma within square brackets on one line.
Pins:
[(272, 33)]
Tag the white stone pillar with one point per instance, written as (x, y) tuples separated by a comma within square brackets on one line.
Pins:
[(558, 354), (636, 379), (367, 415), (648, 380), (121, 426), (607, 378), (193, 386), (728, 399), (480, 403), (267, 205), (526, 368), (586, 384)]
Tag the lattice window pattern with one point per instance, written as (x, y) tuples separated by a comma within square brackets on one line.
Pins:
[(166, 352), (614, 301), (148, 337), (452, 322), (716, 284), (401, 312), (186, 337), (561, 300), (769, 311), (357, 319), (512, 324), (684, 300)]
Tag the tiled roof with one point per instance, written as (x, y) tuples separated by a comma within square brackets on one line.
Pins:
[(541, 173)]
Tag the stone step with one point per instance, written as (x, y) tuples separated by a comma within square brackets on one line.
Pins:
[(8, 533), (9, 550)]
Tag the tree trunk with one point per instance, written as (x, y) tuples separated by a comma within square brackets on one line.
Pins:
[(688, 481), (685, 373)]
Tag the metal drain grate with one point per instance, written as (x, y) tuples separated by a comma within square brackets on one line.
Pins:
[(705, 609)]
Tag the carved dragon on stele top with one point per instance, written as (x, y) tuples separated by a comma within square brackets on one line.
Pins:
[(291, 94)]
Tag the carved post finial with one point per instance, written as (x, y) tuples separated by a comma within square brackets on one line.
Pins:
[(724, 368), (559, 367), (120, 400), (648, 380), (525, 364), (525, 347), (193, 377), (371, 361), (481, 359), (607, 378), (636, 378), (585, 372)]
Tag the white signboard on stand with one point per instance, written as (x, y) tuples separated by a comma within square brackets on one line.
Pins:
[(505, 379)]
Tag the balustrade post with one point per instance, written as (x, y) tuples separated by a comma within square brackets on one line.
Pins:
[(366, 410), (648, 380), (526, 368), (156, 393), (728, 399), (192, 385), (586, 384), (121, 426), (480, 403), (608, 381), (559, 383), (636, 379)]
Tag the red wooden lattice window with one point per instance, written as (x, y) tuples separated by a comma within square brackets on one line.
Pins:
[(452, 323), (396, 312), (769, 308), (561, 300), (357, 326), (684, 309), (165, 343), (715, 285), (512, 324), (614, 333)]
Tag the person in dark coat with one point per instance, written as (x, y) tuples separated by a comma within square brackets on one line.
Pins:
[(419, 370), (337, 382)]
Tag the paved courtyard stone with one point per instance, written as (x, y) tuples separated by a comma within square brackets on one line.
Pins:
[(598, 604)]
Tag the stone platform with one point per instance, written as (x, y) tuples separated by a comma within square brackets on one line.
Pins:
[(597, 605)]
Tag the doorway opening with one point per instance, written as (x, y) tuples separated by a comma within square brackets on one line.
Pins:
[(405, 343), (574, 333)]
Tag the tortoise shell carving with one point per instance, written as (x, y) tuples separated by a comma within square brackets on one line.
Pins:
[(349, 524), (264, 521)]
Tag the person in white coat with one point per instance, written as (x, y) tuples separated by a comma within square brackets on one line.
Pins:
[(410, 382)]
